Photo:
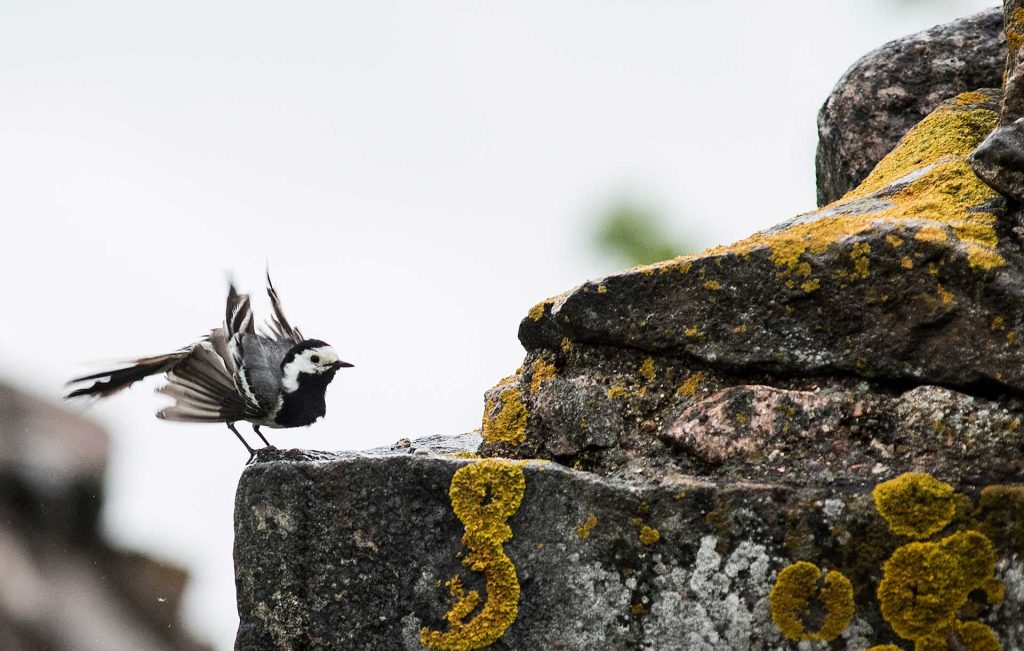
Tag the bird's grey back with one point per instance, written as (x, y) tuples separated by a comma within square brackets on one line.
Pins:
[(261, 359)]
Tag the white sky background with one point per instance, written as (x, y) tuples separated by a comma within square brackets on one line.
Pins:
[(418, 175)]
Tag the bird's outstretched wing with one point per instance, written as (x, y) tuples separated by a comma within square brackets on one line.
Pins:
[(198, 378), (203, 385), (279, 328)]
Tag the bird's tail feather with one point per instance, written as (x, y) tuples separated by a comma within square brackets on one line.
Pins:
[(110, 382)]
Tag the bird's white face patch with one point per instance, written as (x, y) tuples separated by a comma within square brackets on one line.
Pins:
[(311, 361)]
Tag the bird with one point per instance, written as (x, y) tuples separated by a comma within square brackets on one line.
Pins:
[(275, 378)]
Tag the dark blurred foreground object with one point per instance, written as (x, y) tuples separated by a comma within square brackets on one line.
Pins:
[(62, 586)]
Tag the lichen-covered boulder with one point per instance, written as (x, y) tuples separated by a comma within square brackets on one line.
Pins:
[(423, 551), (887, 282), (891, 89)]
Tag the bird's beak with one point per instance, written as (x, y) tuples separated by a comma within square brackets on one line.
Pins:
[(341, 364)]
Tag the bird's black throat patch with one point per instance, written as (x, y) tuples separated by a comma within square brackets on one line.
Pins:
[(306, 404)]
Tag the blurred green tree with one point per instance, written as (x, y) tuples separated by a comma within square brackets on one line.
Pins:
[(634, 234)]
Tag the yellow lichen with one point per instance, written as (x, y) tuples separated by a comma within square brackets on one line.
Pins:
[(937, 194), (906, 262), (566, 346), (885, 647), (978, 637), (915, 505), (924, 584), (601, 289), (542, 371), (712, 285), (584, 529), (945, 295), (811, 285), (617, 392), (638, 609), (971, 97), (689, 387), (859, 255), (537, 311), (794, 595), (1015, 30), (692, 331), (649, 535), (647, 369), (740, 329), (509, 425), (484, 496), (1011, 336)]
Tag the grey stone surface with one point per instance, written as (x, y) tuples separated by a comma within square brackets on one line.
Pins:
[(891, 89), (999, 160), (352, 552)]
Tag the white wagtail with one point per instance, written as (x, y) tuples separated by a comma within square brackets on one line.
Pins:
[(277, 378)]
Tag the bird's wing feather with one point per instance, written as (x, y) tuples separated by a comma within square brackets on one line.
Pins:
[(279, 328), (203, 386), (260, 371)]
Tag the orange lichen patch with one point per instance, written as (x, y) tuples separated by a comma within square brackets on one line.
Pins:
[(649, 535), (647, 369), (508, 425), (541, 371), (926, 583), (915, 504), (924, 183), (944, 294), (689, 387), (583, 530), (894, 241), (503, 484), (931, 234), (740, 329), (906, 262), (971, 97), (617, 392), (978, 637), (796, 593)]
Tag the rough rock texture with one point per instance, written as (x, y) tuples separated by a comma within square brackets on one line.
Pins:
[(891, 89), (999, 160), (353, 551), (807, 439)]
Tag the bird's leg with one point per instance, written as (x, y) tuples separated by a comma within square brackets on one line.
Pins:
[(256, 428), (252, 453)]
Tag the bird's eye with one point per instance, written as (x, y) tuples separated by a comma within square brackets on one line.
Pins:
[(315, 359)]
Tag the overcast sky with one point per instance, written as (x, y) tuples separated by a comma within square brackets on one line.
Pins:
[(418, 175)]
